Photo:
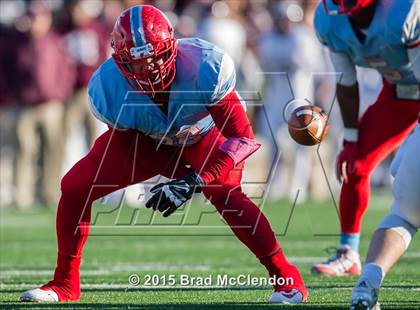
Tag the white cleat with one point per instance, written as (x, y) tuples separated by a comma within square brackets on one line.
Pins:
[(345, 262), (39, 295), (290, 297), (364, 296)]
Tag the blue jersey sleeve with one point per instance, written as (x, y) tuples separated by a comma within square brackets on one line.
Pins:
[(106, 90), (97, 100), (216, 78), (330, 30), (321, 24)]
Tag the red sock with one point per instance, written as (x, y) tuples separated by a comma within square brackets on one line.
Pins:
[(354, 200), (66, 282), (71, 238)]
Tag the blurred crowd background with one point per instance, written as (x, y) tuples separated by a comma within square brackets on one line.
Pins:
[(49, 50)]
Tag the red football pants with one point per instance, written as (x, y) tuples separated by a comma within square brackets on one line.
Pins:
[(382, 128), (121, 158)]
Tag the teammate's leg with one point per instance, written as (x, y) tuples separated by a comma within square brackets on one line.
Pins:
[(394, 234), (382, 129)]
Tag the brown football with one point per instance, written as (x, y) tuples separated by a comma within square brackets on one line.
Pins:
[(308, 125)]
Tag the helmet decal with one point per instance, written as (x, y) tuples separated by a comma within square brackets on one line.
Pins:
[(142, 51)]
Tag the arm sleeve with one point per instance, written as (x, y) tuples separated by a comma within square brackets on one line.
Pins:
[(343, 65), (230, 118)]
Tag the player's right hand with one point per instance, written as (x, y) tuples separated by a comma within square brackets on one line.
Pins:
[(169, 196), (346, 161)]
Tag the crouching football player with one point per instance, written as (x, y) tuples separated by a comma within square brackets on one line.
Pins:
[(195, 132), (394, 234)]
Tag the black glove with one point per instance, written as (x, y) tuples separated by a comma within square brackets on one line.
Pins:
[(169, 196)]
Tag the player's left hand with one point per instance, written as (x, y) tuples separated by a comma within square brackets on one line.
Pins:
[(169, 196)]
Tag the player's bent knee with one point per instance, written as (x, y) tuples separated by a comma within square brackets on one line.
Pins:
[(76, 183), (401, 226), (72, 189)]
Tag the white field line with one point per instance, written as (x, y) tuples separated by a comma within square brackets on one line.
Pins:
[(414, 254), (203, 287), (97, 269), (109, 269)]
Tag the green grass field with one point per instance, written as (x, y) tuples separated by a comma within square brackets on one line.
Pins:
[(195, 243)]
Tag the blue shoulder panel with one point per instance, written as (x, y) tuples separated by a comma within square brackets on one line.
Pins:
[(215, 72), (101, 94), (321, 24), (332, 31)]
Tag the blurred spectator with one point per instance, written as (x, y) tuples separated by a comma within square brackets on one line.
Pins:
[(8, 112), (225, 27), (289, 55), (44, 80), (276, 53), (310, 79), (87, 41), (111, 10)]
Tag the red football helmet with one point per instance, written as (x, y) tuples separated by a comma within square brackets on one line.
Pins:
[(144, 48), (346, 7)]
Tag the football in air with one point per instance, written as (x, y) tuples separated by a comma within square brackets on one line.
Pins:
[(308, 125)]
